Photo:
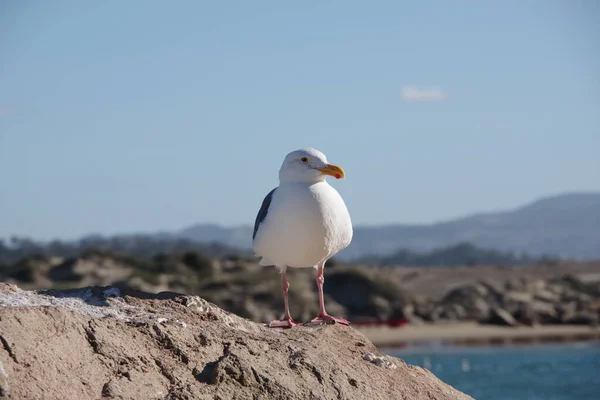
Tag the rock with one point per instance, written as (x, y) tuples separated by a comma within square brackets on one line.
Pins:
[(380, 361), (518, 285), (362, 295), (547, 296), (584, 317), (436, 314), (555, 289), (566, 311), (546, 312), (406, 312), (450, 312), (538, 285), (100, 343), (111, 390), (526, 315), (513, 302), (572, 282), (542, 307), (472, 299), (382, 307), (517, 297), (458, 311), (575, 289), (494, 291), (423, 308), (479, 310), (537, 312), (500, 316), (579, 297)]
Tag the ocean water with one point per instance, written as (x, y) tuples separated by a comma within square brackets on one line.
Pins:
[(535, 372)]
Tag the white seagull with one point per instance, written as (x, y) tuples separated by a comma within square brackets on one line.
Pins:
[(302, 223)]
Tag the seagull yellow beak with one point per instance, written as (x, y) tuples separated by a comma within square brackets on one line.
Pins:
[(332, 170)]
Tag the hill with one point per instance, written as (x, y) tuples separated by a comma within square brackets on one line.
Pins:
[(566, 225)]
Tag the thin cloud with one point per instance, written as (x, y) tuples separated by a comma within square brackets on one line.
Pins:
[(4, 111), (429, 94)]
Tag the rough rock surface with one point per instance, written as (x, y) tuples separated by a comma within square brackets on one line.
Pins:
[(106, 343)]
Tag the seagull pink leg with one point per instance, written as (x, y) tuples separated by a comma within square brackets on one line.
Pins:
[(287, 321), (323, 316)]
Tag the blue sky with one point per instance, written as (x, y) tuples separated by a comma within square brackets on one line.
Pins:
[(140, 116)]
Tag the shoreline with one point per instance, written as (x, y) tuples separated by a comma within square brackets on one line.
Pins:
[(472, 334)]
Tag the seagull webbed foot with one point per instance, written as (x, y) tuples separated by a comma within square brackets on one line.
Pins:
[(329, 319), (282, 323)]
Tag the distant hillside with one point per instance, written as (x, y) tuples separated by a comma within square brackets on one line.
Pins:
[(139, 246), (567, 225)]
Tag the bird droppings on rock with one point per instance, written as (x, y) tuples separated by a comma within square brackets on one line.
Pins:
[(92, 352), (209, 311), (380, 361)]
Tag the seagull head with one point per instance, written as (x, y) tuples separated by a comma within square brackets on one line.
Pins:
[(308, 165)]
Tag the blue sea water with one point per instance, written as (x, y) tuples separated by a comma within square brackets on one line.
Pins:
[(535, 372)]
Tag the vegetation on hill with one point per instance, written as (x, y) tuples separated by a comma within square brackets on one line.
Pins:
[(149, 247), (453, 256), (143, 246)]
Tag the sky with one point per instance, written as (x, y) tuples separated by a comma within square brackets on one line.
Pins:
[(141, 116)]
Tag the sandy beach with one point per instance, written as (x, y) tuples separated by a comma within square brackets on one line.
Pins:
[(474, 334)]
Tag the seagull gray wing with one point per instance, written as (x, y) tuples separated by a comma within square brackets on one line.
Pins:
[(262, 213)]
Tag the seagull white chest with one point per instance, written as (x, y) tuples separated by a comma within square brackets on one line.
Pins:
[(305, 225)]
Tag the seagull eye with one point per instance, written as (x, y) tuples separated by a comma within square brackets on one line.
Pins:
[(304, 159)]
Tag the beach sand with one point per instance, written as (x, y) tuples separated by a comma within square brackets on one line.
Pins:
[(474, 334)]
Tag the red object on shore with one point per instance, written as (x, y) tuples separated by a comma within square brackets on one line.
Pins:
[(396, 323)]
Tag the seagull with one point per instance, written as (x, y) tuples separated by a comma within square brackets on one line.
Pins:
[(302, 223)]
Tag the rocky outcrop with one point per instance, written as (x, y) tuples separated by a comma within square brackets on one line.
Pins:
[(563, 300), (110, 343)]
